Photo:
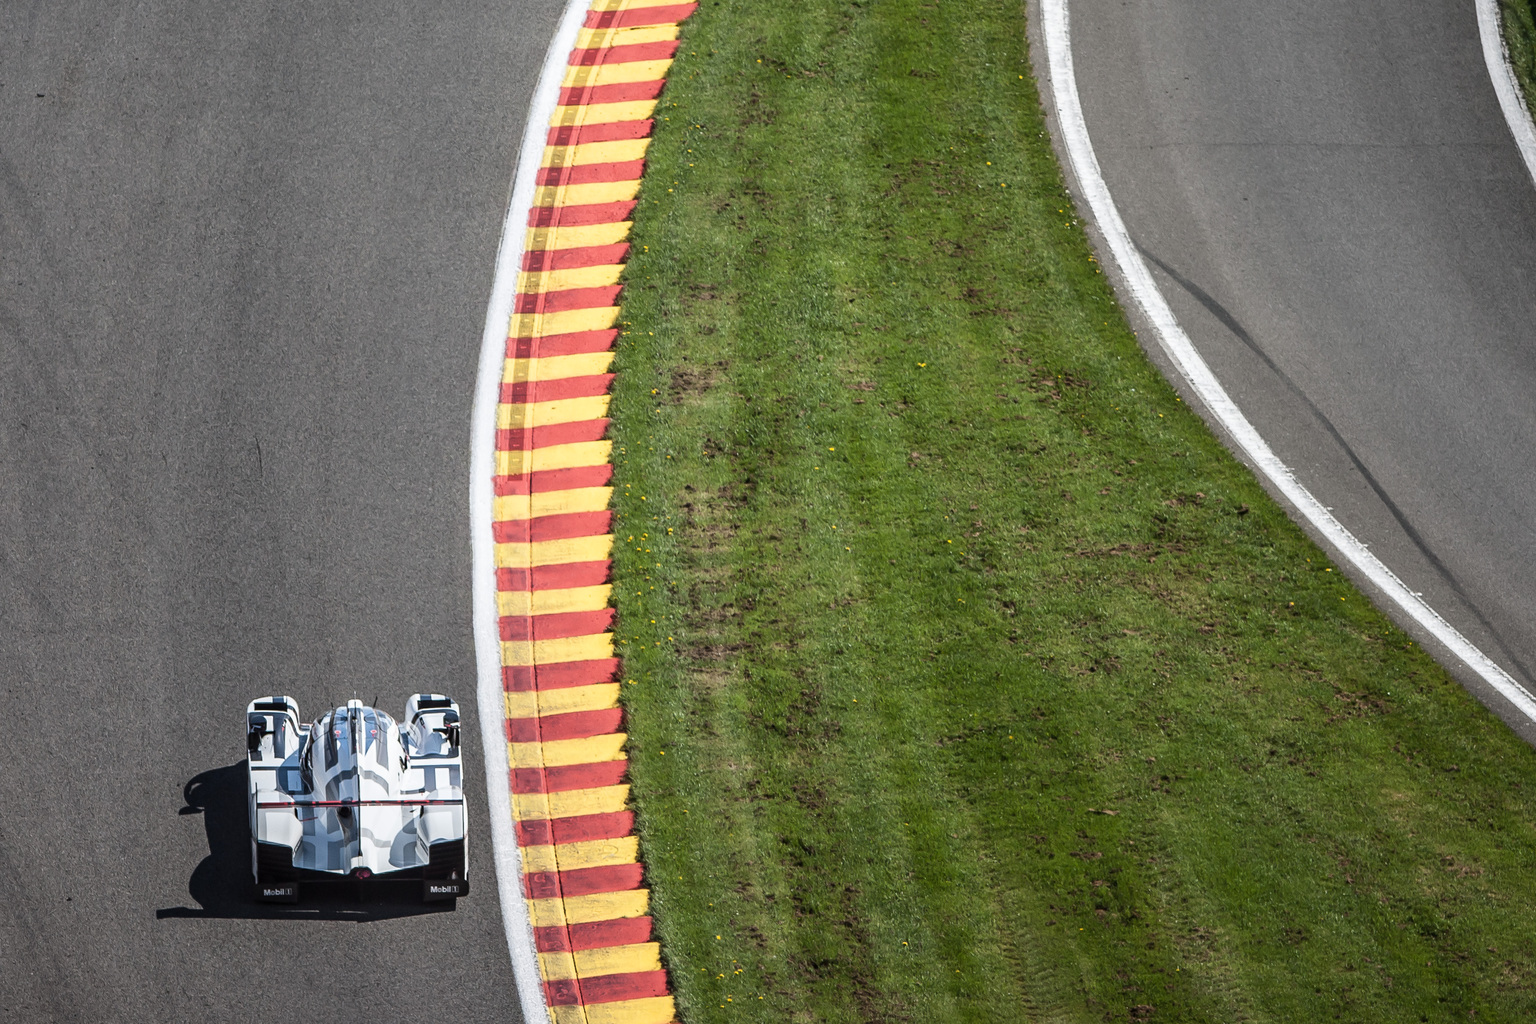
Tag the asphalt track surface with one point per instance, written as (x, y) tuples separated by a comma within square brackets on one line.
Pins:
[(1332, 203), (245, 253)]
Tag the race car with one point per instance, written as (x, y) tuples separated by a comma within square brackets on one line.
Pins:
[(356, 798)]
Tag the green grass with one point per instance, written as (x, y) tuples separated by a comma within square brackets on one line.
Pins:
[(971, 679), (1519, 17)]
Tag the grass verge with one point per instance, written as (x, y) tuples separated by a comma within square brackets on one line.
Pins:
[(1519, 17), (970, 678)]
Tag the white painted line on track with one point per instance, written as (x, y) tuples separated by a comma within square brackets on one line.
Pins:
[(490, 695), (1511, 99), (1057, 32)]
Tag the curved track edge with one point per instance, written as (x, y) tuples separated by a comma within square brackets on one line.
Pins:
[(574, 906), (488, 691), (1055, 28), (1502, 74)]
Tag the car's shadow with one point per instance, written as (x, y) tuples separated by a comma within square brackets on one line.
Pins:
[(221, 884)]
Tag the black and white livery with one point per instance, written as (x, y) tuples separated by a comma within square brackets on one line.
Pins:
[(356, 796)]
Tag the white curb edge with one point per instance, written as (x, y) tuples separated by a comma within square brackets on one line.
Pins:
[(1056, 31), (1502, 73), (489, 693)]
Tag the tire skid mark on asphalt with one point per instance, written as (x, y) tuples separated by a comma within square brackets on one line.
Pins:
[(582, 877)]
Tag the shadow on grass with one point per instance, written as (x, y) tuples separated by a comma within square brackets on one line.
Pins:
[(221, 883)]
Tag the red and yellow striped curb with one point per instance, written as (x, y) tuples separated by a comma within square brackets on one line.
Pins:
[(582, 873)]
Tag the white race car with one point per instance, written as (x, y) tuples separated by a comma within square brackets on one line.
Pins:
[(356, 797)]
